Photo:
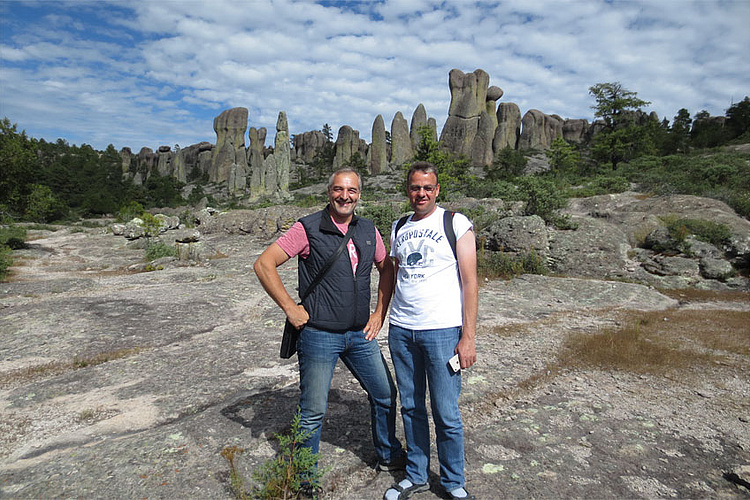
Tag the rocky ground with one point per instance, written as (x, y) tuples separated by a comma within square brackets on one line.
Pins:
[(123, 384)]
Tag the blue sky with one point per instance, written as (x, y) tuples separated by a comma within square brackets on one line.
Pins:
[(151, 73)]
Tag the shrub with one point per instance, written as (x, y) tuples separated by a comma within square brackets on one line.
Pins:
[(705, 230), (130, 211), (295, 465), (383, 217), (13, 237), (542, 197), (504, 265), (6, 260), (159, 250), (43, 206), (508, 164)]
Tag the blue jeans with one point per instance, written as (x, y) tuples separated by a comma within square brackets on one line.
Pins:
[(420, 358), (318, 351)]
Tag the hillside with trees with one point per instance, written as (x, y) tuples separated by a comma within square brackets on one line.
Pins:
[(46, 182)]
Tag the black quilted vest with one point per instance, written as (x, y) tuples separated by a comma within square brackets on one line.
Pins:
[(341, 302)]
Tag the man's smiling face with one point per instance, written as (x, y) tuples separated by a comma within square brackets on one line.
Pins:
[(343, 195)]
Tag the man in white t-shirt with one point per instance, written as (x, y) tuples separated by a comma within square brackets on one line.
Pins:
[(432, 319)]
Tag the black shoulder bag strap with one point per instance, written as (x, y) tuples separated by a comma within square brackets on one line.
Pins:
[(328, 264)]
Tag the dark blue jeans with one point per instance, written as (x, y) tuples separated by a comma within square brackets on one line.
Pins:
[(318, 351), (420, 360)]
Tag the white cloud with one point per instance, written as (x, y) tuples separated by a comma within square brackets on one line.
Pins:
[(158, 72)]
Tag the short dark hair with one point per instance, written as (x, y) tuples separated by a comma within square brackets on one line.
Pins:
[(344, 170), (422, 166)]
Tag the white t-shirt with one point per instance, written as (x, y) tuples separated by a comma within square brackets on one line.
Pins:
[(428, 289)]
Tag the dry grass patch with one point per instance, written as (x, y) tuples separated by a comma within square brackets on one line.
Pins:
[(661, 342), (507, 330), (675, 343), (28, 374), (695, 295)]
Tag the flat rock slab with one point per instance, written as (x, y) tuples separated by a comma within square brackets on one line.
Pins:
[(116, 384)]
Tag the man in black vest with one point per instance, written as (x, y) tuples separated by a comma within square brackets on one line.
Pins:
[(335, 319)]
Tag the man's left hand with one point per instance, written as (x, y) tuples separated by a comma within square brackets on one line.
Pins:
[(374, 324), (467, 352)]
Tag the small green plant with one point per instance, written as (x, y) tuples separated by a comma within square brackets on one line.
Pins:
[(6, 260), (294, 466), (13, 237), (679, 229), (151, 224), (129, 211), (159, 250), (504, 265), (86, 415), (383, 217), (236, 482), (542, 197), (308, 201)]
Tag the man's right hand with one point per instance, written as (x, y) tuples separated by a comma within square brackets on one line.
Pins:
[(298, 316)]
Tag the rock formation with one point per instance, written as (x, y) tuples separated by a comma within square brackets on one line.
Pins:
[(494, 93), (378, 152), (164, 161), (282, 153), (508, 127), (270, 182), (401, 149), (575, 131), (539, 130), (255, 161), (230, 127), (472, 121), (481, 146), (307, 144), (418, 120), (347, 144)]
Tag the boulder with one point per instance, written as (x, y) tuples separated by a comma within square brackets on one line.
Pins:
[(134, 229), (167, 221), (595, 249), (518, 234), (716, 269), (666, 265)]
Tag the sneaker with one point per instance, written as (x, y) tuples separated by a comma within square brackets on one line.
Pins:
[(398, 463)]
